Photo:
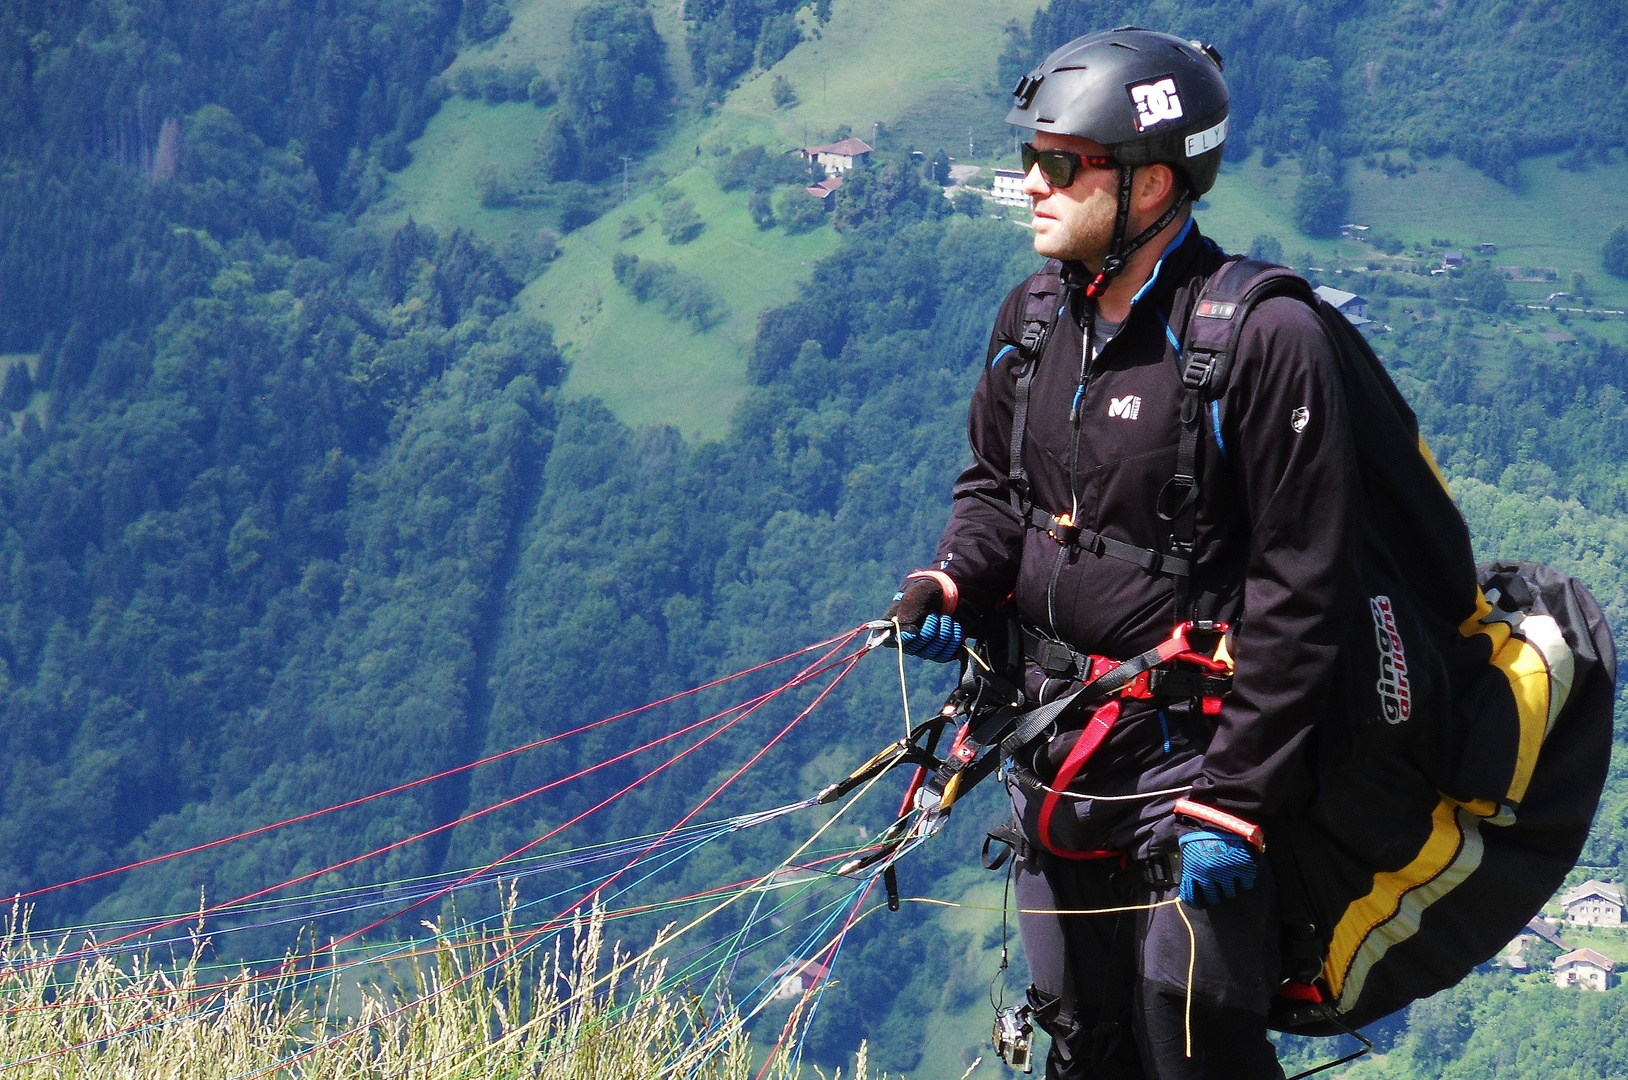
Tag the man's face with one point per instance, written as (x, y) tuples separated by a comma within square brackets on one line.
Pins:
[(1076, 222)]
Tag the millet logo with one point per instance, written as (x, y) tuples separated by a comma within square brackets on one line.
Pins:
[(1128, 407), (1394, 698)]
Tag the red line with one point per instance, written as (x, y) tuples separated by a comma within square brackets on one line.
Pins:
[(736, 775), (409, 785), (819, 667), (751, 703), (520, 944), (619, 913), (802, 677)]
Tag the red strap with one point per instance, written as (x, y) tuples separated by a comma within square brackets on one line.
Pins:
[(946, 585), (1299, 991), (1232, 823), (1096, 732)]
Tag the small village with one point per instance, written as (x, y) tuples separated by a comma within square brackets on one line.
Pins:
[(1592, 910)]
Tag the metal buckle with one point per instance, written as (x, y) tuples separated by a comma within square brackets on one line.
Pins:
[(1056, 658), (1033, 332), (1063, 530)]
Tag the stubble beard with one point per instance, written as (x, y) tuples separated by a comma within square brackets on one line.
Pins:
[(1083, 231)]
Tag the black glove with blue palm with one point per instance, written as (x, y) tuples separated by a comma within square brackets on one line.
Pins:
[(925, 628), (1215, 866)]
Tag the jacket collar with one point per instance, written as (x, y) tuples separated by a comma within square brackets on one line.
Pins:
[(1182, 258)]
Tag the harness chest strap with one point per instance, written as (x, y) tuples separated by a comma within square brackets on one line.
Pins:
[(1061, 528), (1211, 680)]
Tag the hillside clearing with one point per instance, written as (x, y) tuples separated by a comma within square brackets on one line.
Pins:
[(647, 367)]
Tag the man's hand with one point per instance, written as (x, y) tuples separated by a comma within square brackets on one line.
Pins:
[(923, 630), (914, 601), (1215, 866)]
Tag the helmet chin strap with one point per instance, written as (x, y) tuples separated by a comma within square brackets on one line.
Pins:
[(1121, 250)]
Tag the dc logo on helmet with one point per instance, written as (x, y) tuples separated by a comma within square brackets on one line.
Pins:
[(1156, 102)]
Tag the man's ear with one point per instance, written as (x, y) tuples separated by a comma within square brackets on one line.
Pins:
[(1153, 187)]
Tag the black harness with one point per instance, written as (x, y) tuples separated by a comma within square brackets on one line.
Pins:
[(995, 721), (1210, 337)]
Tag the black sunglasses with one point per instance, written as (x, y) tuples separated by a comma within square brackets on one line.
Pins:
[(1059, 167)]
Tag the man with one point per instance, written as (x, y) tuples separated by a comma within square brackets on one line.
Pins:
[(1101, 534)]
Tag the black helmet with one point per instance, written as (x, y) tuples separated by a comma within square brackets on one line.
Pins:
[(1147, 97)]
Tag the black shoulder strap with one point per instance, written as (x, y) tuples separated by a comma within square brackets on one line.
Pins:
[(1042, 306), (1215, 323), (1216, 320)]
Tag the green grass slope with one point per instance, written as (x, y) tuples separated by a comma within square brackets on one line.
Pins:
[(646, 366), (1555, 218), (539, 34), (885, 60), (874, 61), (925, 62), (441, 187)]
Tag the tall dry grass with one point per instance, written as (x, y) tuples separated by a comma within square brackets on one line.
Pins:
[(476, 1006)]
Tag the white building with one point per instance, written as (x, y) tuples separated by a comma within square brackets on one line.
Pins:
[(839, 157), (1008, 188), (797, 978), (1593, 903), (1352, 306), (1584, 969)]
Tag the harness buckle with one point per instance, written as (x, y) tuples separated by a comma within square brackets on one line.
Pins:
[(1162, 871), (1196, 374), (1056, 659), (1034, 332), (1213, 628), (1063, 530)]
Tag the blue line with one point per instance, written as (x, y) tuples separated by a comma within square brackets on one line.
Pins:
[(1170, 336), (814, 1009), (1000, 355), (1185, 229), (1215, 422)]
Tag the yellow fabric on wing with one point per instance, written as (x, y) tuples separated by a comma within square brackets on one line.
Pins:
[(1430, 459), (1392, 910), (1523, 664)]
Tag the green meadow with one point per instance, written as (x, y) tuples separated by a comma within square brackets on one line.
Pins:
[(649, 368)]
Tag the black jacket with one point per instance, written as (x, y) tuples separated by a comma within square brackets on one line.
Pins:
[(1275, 522)]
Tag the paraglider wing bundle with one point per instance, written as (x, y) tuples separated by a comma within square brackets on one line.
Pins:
[(1458, 774), (1452, 807)]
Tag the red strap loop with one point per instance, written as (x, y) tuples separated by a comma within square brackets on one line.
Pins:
[(1091, 738)]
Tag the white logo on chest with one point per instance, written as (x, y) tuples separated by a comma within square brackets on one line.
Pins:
[(1126, 408)]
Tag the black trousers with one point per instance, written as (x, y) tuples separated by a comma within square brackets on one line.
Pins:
[(1113, 991)]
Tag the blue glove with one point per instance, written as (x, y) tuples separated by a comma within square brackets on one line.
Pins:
[(939, 639), (1215, 866)]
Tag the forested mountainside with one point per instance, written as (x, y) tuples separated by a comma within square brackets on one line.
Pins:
[(294, 510)]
